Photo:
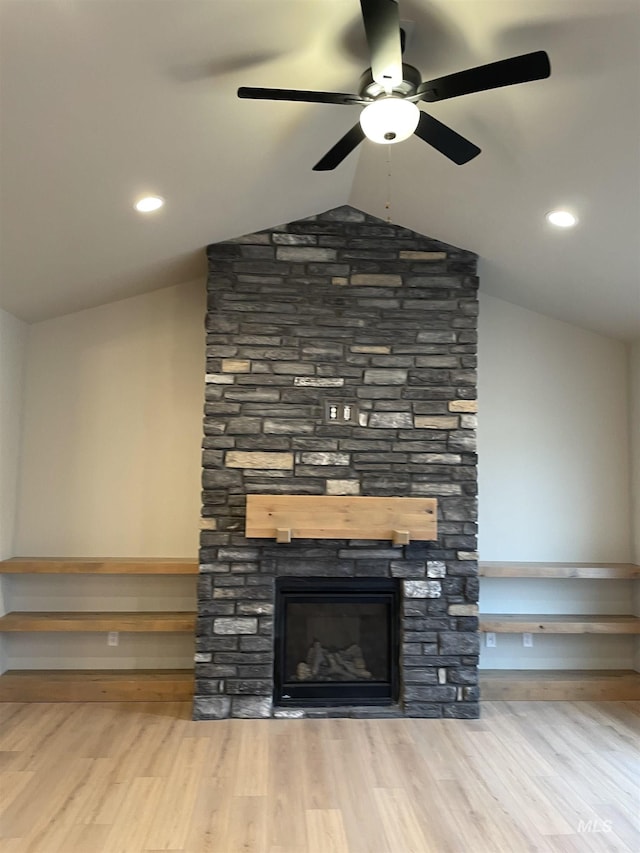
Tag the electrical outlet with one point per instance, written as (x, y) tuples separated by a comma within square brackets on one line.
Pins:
[(490, 640), (113, 638), (527, 640), (341, 412)]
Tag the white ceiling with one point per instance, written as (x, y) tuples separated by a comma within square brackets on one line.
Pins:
[(102, 100)]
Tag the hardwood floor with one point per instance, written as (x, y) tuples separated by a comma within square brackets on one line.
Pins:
[(128, 778)]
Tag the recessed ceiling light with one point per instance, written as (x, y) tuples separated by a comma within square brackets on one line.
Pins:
[(149, 203), (562, 218)]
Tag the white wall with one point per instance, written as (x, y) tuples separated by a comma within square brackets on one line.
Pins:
[(634, 427), (111, 467), (13, 338), (553, 445), (113, 428), (553, 439)]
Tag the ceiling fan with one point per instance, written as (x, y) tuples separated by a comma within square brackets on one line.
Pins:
[(390, 90)]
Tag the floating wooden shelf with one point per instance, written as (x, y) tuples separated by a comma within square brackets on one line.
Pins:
[(558, 624), (106, 566), (575, 685), (489, 569), (286, 517), (149, 622), (83, 685), (559, 685)]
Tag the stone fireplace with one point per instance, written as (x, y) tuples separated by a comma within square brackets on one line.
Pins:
[(341, 361)]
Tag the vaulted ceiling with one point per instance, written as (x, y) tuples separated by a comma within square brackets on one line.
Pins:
[(103, 101)]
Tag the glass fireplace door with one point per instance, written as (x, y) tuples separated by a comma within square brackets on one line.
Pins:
[(336, 641)]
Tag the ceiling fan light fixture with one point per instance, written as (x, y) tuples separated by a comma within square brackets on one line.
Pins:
[(389, 120)]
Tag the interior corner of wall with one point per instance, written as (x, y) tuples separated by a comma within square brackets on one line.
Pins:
[(634, 448)]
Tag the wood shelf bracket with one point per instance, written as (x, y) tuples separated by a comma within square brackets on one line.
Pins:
[(283, 534)]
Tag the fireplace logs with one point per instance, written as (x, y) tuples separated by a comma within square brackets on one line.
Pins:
[(324, 664)]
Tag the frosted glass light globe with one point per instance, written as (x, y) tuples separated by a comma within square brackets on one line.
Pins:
[(389, 120)]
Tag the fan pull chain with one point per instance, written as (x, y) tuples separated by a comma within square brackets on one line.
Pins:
[(387, 205)]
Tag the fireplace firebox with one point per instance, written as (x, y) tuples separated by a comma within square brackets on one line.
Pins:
[(336, 641)]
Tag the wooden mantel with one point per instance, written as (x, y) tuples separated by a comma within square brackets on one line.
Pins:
[(287, 517)]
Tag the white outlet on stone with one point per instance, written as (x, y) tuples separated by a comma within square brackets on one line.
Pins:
[(527, 640), (490, 640), (113, 638)]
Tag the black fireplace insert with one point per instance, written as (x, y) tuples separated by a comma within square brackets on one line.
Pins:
[(336, 641)]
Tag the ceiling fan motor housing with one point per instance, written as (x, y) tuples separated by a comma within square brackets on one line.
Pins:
[(411, 79)]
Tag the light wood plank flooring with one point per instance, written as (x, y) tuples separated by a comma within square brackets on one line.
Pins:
[(128, 778)]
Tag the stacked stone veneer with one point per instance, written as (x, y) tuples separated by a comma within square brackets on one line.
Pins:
[(339, 306)]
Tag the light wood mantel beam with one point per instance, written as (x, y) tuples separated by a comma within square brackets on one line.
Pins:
[(286, 517)]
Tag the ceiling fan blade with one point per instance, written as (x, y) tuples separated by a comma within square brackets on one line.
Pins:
[(382, 27), (505, 72), (341, 149), (299, 95), (445, 140)]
